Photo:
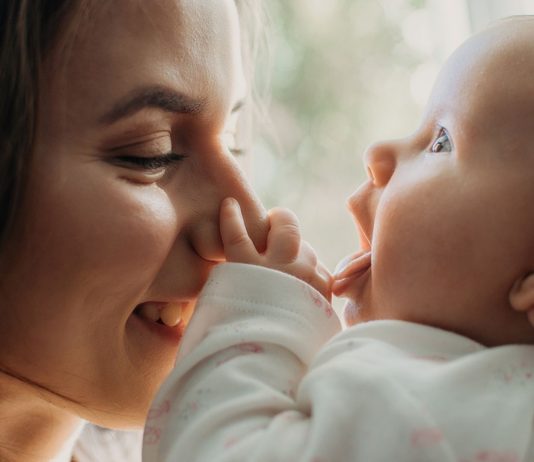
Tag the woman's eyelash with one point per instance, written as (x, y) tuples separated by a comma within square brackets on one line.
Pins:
[(151, 163), (237, 152)]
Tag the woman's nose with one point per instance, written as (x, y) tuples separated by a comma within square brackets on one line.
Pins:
[(381, 161), (222, 177)]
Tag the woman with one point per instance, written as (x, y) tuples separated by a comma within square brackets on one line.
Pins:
[(114, 163)]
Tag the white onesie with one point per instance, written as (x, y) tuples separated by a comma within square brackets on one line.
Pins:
[(264, 375)]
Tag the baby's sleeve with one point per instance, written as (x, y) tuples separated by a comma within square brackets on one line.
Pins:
[(250, 384)]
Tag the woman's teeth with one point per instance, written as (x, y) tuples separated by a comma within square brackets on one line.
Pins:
[(169, 314), (148, 311)]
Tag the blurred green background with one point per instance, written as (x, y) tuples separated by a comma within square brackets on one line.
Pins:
[(345, 73)]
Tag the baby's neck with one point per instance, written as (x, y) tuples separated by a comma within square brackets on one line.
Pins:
[(34, 424)]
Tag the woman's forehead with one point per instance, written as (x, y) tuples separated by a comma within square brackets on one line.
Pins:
[(189, 46), (180, 25)]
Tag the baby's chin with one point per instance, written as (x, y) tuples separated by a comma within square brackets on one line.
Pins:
[(359, 307), (350, 313), (357, 311)]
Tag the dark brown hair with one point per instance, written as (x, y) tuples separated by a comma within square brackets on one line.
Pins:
[(28, 29)]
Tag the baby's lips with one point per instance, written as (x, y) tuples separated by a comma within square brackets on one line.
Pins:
[(339, 286), (349, 269), (346, 261), (356, 263), (342, 264)]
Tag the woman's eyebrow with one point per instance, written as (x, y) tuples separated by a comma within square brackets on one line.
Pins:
[(152, 97)]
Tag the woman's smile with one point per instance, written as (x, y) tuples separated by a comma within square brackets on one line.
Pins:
[(119, 228), (167, 313), (166, 320)]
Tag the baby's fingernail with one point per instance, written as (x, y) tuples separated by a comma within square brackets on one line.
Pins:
[(230, 202)]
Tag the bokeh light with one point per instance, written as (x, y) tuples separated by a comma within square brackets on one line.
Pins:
[(347, 73)]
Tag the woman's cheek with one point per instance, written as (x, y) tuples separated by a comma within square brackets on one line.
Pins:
[(113, 227), (141, 225)]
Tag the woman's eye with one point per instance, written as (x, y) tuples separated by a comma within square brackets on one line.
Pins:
[(442, 143), (153, 164)]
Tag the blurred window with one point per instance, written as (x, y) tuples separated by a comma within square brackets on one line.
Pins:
[(347, 73)]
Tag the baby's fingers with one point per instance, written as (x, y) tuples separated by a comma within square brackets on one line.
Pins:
[(522, 296), (324, 281), (238, 247), (313, 271), (283, 243)]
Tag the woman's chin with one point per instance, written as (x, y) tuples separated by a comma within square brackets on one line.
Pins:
[(130, 414)]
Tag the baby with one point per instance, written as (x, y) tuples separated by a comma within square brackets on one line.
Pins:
[(438, 364)]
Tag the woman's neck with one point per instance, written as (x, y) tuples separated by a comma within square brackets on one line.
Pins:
[(35, 424)]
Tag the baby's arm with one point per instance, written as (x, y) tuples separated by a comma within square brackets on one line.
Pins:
[(236, 394), (254, 381), (285, 252)]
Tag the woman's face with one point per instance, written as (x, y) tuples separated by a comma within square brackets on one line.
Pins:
[(128, 173)]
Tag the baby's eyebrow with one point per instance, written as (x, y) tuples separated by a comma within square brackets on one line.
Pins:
[(163, 98)]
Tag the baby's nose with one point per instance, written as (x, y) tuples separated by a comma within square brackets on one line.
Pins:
[(380, 160)]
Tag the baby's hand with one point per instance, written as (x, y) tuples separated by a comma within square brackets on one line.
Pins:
[(285, 250), (522, 296)]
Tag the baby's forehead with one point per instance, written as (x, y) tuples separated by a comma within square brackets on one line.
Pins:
[(509, 71), (489, 80), (507, 53)]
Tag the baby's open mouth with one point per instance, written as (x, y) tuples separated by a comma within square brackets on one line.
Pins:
[(354, 264), (166, 313), (350, 269)]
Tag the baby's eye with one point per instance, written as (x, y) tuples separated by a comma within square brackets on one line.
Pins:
[(442, 143)]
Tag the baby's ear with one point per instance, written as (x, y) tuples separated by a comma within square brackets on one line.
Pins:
[(522, 293)]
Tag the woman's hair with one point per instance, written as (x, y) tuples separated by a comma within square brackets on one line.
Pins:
[(30, 31)]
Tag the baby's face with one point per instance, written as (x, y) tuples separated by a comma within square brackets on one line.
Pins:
[(446, 219)]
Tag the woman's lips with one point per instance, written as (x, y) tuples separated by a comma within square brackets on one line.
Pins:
[(353, 267)]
